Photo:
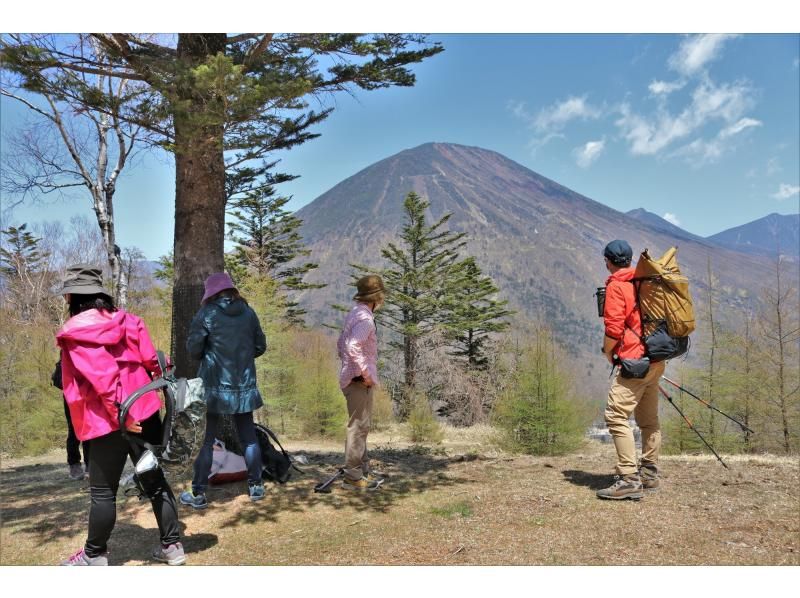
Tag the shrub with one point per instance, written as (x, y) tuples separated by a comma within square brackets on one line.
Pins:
[(422, 425), (538, 413)]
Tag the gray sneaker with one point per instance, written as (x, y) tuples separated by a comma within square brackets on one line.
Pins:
[(76, 471), (256, 491), (171, 555), (628, 486), (79, 559), (649, 476), (196, 501)]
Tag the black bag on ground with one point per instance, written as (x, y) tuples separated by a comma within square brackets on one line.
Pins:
[(277, 465), (634, 368)]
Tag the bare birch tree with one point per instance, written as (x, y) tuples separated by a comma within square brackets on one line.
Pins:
[(71, 146)]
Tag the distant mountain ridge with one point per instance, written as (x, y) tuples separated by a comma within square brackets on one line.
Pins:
[(657, 222), (765, 236)]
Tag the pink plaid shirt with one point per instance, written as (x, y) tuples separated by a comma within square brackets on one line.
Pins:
[(358, 345)]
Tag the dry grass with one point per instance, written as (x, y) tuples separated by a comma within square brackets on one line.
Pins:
[(458, 503)]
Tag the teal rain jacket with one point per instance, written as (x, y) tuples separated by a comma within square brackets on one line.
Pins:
[(227, 337)]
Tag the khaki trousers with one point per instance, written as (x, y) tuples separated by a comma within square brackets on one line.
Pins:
[(359, 408), (640, 397)]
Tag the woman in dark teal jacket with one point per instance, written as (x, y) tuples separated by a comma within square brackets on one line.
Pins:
[(226, 337)]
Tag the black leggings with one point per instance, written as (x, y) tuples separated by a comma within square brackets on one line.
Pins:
[(73, 444), (106, 462)]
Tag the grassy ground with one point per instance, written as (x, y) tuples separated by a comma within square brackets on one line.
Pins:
[(459, 503)]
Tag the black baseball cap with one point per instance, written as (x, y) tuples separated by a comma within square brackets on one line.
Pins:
[(618, 252)]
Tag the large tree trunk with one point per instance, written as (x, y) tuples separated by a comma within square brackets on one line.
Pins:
[(199, 196)]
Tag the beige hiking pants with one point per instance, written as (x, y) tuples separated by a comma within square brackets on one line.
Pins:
[(359, 408), (640, 397)]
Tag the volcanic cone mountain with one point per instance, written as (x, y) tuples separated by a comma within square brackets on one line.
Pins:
[(540, 241)]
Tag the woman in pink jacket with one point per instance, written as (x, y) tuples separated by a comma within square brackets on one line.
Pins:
[(106, 355)]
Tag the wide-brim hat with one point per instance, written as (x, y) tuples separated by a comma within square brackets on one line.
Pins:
[(83, 279), (370, 288), (215, 283)]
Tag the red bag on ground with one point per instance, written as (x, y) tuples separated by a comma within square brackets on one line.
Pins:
[(226, 466)]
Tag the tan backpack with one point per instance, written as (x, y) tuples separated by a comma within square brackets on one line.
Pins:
[(665, 305)]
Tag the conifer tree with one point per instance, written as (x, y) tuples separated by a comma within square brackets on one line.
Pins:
[(420, 278), (268, 243), (474, 313), (23, 266)]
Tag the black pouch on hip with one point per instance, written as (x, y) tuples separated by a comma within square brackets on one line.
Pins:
[(634, 368)]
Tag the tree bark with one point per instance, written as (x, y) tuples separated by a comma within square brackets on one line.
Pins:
[(199, 197)]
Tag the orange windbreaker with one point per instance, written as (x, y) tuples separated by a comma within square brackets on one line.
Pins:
[(621, 315)]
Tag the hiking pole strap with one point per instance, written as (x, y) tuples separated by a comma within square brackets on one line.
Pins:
[(691, 427), (694, 396)]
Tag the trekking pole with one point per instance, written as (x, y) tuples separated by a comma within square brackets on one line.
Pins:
[(694, 396), (686, 419), (325, 487)]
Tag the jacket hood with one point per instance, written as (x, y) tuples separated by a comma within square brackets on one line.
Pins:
[(230, 306), (623, 275), (94, 326)]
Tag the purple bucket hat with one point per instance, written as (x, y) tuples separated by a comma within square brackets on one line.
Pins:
[(215, 283)]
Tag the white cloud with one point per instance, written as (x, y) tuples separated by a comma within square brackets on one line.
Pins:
[(587, 153), (726, 102), (738, 127), (559, 114), (671, 218), (786, 191), (664, 87), (796, 63), (696, 51), (518, 109), (700, 152)]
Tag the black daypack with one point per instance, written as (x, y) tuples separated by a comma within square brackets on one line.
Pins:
[(277, 466)]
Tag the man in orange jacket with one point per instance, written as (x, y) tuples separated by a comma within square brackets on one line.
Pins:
[(623, 342)]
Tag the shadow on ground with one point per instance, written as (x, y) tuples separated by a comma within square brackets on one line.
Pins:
[(40, 501), (593, 481), (407, 472)]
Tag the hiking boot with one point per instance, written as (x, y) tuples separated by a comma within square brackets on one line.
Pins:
[(256, 491), (196, 501), (628, 486), (76, 471), (171, 555), (360, 484), (79, 559), (649, 476)]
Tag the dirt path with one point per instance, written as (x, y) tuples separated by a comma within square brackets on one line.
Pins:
[(460, 504)]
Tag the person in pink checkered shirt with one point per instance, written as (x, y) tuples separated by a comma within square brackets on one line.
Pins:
[(358, 349)]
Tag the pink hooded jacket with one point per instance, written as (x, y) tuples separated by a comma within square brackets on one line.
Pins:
[(105, 357)]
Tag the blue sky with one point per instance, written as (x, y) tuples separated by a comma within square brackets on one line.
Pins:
[(700, 129)]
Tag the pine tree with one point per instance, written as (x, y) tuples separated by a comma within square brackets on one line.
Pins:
[(268, 243), (420, 278), (474, 314), (23, 266)]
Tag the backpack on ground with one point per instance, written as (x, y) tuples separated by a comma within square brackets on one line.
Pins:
[(277, 465), (665, 305)]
